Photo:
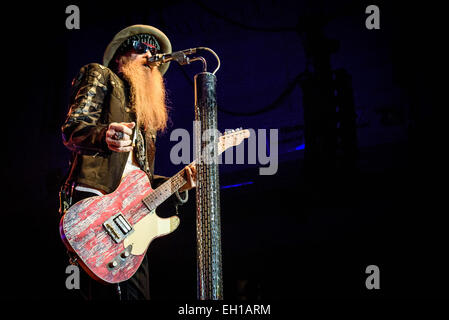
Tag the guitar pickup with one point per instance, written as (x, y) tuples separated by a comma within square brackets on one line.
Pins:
[(118, 227)]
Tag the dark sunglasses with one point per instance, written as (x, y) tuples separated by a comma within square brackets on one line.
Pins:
[(142, 47)]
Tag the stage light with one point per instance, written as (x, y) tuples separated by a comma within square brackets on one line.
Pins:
[(237, 185)]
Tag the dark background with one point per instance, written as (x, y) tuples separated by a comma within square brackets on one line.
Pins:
[(366, 193)]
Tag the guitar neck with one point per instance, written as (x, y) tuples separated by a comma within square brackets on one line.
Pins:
[(166, 189)]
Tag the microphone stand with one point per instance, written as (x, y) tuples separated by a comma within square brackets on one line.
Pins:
[(208, 225)]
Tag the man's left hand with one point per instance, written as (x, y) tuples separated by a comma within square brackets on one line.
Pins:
[(190, 176)]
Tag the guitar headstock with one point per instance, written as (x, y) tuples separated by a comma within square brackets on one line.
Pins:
[(232, 138)]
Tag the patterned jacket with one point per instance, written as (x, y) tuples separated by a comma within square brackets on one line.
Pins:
[(98, 98)]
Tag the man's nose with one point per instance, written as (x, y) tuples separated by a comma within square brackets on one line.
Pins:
[(148, 54)]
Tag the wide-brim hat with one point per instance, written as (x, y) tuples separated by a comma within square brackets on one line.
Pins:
[(120, 38)]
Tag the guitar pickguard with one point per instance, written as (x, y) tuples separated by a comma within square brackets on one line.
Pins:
[(148, 228)]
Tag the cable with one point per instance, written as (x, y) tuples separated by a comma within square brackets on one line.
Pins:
[(216, 57), (270, 107), (242, 25), (291, 86)]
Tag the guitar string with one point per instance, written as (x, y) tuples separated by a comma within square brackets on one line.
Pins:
[(170, 186)]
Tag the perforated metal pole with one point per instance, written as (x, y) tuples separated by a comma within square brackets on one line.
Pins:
[(208, 226)]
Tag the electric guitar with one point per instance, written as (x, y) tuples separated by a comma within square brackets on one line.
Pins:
[(110, 234)]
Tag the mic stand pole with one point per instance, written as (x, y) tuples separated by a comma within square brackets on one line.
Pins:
[(208, 225)]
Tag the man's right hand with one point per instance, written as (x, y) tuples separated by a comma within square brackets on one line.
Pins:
[(116, 129)]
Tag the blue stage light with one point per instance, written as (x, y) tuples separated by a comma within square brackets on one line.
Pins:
[(237, 185)]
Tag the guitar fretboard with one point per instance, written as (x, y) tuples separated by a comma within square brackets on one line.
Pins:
[(165, 190)]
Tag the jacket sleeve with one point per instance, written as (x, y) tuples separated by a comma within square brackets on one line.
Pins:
[(82, 130)]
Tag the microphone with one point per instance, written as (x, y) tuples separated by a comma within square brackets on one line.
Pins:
[(178, 56)]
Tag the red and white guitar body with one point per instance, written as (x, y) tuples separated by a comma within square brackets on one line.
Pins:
[(110, 234)]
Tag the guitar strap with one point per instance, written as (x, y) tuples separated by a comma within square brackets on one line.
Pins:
[(141, 152), (65, 196)]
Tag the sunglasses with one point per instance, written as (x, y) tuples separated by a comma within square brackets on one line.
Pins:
[(142, 47)]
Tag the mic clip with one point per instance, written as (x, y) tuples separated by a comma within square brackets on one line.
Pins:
[(179, 56)]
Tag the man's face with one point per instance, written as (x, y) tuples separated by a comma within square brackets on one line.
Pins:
[(141, 51), (147, 89), (132, 56)]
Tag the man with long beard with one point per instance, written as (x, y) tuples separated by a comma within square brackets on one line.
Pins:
[(116, 111)]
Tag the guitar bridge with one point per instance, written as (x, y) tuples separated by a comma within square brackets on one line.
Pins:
[(118, 227)]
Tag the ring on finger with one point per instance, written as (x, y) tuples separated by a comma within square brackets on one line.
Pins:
[(118, 135)]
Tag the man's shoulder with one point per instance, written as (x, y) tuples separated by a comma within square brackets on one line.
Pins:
[(99, 72), (96, 67), (97, 75)]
